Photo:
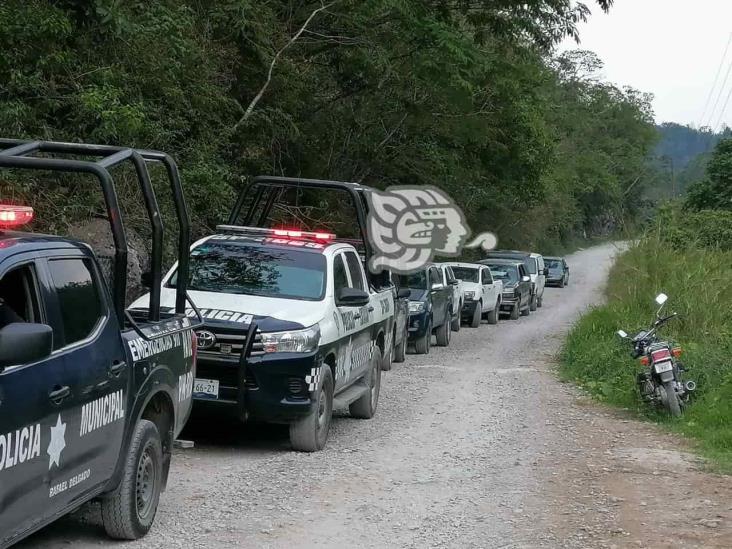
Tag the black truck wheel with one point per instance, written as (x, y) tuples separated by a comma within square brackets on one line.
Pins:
[(310, 433), (516, 309), (493, 315), (477, 315), (400, 350), (533, 303), (128, 512), (422, 345), (455, 324), (365, 407), (443, 332)]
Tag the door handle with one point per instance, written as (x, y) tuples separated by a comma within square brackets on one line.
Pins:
[(356, 316), (371, 308), (59, 393), (117, 368)]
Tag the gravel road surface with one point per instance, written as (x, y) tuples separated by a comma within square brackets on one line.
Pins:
[(475, 445)]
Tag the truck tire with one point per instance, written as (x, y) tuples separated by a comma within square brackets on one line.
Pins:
[(561, 283), (422, 345), (527, 310), (365, 407), (443, 332), (493, 315), (672, 399), (129, 511), (455, 324), (516, 309), (310, 433), (533, 303), (400, 350), (389, 357), (477, 315), (540, 301)]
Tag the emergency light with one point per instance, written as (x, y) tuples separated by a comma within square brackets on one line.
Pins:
[(14, 216)]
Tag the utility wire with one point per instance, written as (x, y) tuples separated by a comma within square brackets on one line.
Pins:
[(716, 79), (721, 114), (719, 95)]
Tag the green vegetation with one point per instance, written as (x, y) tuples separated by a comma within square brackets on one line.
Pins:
[(687, 254), (468, 96)]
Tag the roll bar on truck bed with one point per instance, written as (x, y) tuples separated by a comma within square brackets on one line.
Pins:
[(19, 154)]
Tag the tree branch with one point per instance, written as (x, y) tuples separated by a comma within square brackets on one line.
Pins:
[(263, 89)]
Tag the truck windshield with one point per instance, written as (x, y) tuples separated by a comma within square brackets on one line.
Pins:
[(236, 268), (553, 264), (417, 280), (466, 273), (506, 273)]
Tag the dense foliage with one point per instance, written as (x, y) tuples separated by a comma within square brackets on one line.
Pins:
[(714, 191), (462, 95)]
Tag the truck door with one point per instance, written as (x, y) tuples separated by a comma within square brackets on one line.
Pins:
[(439, 296), (363, 336), (87, 337), (489, 290), (348, 324), (34, 414)]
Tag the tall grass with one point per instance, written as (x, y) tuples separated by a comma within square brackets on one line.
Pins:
[(699, 285)]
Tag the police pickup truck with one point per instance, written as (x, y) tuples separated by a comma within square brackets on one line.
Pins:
[(292, 328), (90, 400)]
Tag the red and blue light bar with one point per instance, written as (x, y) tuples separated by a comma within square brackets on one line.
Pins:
[(15, 216)]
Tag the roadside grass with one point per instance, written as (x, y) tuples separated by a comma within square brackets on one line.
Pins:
[(699, 285)]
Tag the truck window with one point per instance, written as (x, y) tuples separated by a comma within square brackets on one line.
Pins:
[(19, 296), (340, 279), (435, 276), (75, 285), (233, 267), (468, 274), (354, 267), (417, 281), (487, 278)]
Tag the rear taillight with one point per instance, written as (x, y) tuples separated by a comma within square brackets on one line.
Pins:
[(644, 360), (676, 351), (661, 354)]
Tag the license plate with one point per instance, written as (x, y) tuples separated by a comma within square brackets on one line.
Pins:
[(663, 367), (206, 388)]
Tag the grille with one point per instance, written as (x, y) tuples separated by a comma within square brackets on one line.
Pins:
[(231, 344)]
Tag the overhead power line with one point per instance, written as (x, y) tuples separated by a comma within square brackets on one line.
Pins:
[(716, 79), (722, 88), (724, 109)]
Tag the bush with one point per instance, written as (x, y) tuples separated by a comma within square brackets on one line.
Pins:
[(695, 229), (699, 285)]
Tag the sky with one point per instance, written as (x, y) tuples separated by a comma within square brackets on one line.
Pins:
[(670, 48)]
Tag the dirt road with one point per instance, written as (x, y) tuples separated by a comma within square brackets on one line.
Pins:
[(476, 445)]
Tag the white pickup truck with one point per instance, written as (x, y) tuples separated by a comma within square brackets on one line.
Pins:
[(449, 279), (481, 293)]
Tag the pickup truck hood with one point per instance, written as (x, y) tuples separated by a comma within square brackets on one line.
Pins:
[(271, 314)]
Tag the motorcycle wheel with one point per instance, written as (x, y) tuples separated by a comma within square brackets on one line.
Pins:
[(672, 399)]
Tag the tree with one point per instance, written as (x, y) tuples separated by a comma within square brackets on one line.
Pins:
[(715, 191)]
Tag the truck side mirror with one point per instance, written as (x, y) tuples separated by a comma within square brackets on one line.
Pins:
[(403, 293), (23, 342), (351, 297), (526, 278), (546, 272)]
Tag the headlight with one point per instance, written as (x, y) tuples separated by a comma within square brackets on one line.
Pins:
[(416, 306), (294, 341), (469, 295)]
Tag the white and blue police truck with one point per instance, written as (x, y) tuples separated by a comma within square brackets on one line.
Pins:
[(292, 328)]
